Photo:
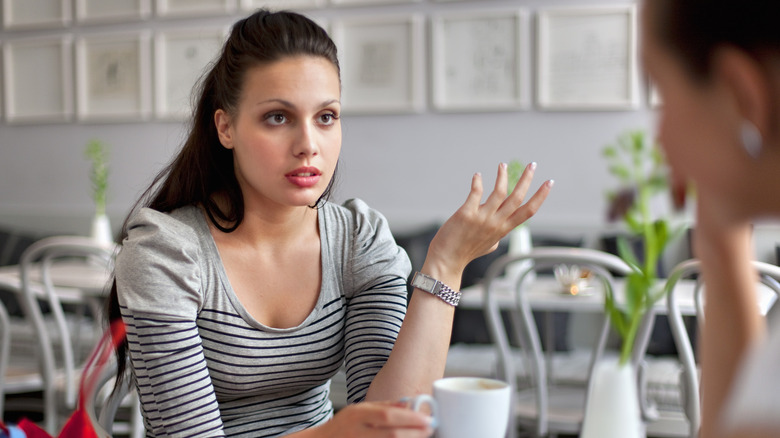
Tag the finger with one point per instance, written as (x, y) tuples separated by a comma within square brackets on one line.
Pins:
[(521, 188), (527, 210), (496, 198), (390, 416), (475, 195)]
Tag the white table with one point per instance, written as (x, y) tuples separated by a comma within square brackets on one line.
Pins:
[(546, 294), (71, 279)]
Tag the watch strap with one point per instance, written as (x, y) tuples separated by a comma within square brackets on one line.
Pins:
[(437, 288)]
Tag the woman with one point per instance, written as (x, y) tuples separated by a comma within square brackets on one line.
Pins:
[(244, 290), (717, 68)]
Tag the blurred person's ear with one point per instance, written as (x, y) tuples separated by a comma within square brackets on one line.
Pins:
[(749, 85)]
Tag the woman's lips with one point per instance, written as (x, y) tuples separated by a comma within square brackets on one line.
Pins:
[(304, 176)]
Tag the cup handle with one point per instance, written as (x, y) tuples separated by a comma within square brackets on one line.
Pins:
[(417, 402)]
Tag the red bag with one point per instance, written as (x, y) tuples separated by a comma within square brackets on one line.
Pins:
[(79, 424)]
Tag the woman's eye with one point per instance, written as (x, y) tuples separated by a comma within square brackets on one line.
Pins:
[(328, 118), (276, 119)]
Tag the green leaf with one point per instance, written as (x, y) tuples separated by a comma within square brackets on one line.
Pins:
[(627, 253)]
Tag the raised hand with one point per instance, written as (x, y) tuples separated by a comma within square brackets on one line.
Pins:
[(475, 229)]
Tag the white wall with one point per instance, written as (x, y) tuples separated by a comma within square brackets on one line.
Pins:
[(414, 168)]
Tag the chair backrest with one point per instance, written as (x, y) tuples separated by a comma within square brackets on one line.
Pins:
[(38, 285), (769, 275), (5, 349), (601, 266)]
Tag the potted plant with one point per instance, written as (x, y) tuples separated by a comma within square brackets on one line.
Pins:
[(97, 153), (639, 167)]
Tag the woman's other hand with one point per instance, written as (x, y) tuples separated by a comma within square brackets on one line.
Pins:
[(376, 420)]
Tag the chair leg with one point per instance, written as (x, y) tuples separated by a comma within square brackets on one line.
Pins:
[(136, 419)]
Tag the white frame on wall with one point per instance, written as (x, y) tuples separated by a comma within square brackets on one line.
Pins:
[(36, 13), (370, 2), (382, 63), (113, 78), (92, 11), (188, 8), (586, 59), (179, 66), (251, 5), (478, 63), (38, 78)]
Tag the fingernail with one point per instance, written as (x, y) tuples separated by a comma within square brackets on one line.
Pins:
[(551, 182), (533, 165), (504, 165)]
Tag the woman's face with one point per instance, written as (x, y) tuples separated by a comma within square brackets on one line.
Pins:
[(285, 133), (698, 126)]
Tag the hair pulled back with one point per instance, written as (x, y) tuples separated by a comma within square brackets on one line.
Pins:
[(204, 168), (694, 29)]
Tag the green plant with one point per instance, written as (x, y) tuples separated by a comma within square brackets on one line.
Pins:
[(639, 167), (96, 151), (514, 170)]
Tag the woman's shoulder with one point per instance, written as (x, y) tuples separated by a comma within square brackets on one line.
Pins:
[(355, 213), (176, 230)]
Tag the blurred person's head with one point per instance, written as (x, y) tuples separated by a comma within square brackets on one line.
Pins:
[(716, 66)]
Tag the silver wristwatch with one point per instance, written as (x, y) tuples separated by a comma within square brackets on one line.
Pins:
[(435, 287)]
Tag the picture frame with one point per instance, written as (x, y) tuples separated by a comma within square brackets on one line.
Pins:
[(183, 8), (251, 5), (37, 79), (382, 63), (587, 58), (113, 77), (370, 2), (181, 58), (23, 14), (95, 11), (480, 60)]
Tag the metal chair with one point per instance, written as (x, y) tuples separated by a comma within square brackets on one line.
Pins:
[(56, 334), (545, 406), (768, 275), (102, 400)]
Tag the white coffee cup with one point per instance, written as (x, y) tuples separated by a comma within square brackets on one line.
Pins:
[(468, 407)]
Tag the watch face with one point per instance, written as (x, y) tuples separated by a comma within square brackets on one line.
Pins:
[(424, 282)]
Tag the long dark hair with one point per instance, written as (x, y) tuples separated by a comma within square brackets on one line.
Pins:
[(693, 29), (204, 168)]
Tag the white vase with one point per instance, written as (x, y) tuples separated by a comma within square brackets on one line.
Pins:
[(612, 408), (519, 243), (101, 229)]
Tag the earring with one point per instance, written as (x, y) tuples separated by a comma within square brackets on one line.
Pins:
[(751, 139)]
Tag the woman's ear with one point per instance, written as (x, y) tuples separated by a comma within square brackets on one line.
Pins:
[(749, 85), (222, 121)]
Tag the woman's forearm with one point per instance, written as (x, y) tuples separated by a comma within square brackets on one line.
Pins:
[(420, 352)]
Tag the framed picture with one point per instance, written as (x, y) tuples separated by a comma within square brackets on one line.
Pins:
[(479, 60), (370, 2), (587, 58), (36, 13), (111, 10), (251, 5), (181, 58), (38, 78), (382, 66), (113, 78), (194, 7)]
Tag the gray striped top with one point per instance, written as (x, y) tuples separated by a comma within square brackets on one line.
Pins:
[(204, 367)]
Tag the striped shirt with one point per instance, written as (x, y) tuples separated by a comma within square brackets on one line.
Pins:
[(203, 366)]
